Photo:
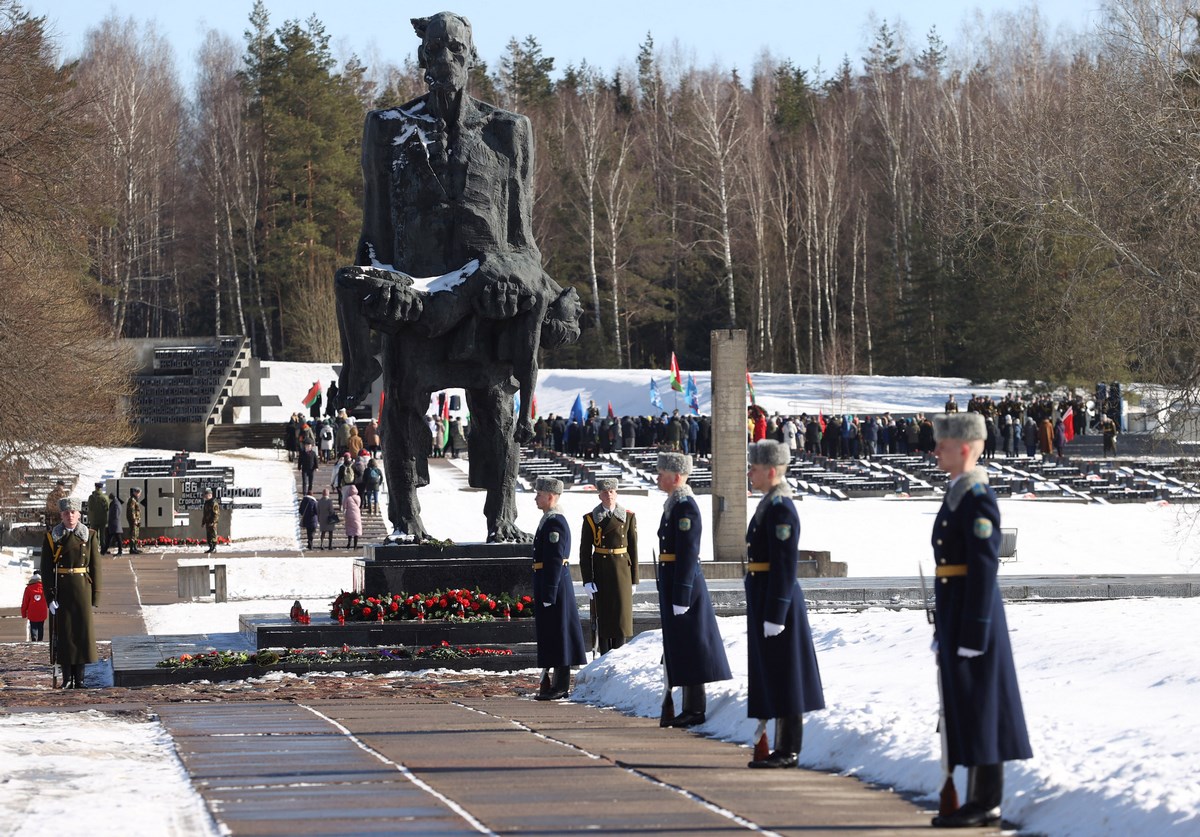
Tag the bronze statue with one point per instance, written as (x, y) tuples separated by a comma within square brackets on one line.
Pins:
[(449, 278)]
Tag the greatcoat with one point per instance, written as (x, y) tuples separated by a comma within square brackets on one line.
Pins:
[(608, 558), (784, 678), (71, 573), (692, 646), (559, 634), (985, 721)]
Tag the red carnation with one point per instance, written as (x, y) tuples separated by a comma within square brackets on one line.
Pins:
[(366, 611)]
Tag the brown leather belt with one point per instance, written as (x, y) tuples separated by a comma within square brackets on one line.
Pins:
[(538, 564), (667, 557), (946, 570), (758, 567), (620, 550), (70, 570)]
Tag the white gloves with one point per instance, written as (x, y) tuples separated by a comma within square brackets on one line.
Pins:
[(679, 610), (53, 608), (591, 589), (547, 604), (969, 652), (772, 629)]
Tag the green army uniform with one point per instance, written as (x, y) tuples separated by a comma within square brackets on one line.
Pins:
[(71, 568)]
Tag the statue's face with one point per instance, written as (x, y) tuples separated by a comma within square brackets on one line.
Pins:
[(447, 52)]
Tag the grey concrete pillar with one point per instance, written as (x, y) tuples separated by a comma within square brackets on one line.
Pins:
[(729, 444)]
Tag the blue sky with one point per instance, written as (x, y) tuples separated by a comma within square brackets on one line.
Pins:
[(606, 33)]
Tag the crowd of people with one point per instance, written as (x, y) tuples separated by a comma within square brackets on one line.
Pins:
[(353, 491)]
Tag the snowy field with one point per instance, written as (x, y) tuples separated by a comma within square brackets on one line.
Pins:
[(1110, 688)]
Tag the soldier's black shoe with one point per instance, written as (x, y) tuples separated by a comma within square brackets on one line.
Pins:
[(776, 760), (969, 815), (555, 694), (687, 719)]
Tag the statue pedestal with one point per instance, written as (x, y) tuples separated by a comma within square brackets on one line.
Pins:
[(422, 568)]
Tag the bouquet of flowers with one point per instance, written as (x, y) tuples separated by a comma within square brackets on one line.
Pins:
[(456, 605)]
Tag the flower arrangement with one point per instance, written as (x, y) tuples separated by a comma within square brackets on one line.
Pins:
[(457, 605), (329, 656), (164, 540)]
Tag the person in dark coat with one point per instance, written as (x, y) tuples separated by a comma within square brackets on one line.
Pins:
[(308, 468), (984, 719), (308, 516), (555, 613), (692, 648), (327, 517), (71, 566), (784, 680), (210, 517), (97, 509), (116, 522), (608, 565)]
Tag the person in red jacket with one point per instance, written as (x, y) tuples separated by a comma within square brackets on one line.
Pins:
[(34, 607)]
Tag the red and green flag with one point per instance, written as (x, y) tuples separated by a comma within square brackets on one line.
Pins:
[(313, 394), (446, 422), (676, 381), (750, 387)]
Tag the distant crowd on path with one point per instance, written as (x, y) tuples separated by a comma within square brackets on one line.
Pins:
[(596, 435), (336, 439)]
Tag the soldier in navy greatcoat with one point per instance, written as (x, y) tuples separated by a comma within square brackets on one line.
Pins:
[(984, 720), (784, 680), (555, 614), (692, 648)]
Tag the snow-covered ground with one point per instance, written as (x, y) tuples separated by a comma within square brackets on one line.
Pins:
[(1109, 687)]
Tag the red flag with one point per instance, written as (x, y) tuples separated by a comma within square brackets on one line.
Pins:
[(446, 421), (1068, 421), (750, 386), (381, 394), (313, 394), (533, 405), (821, 419), (611, 414), (676, 381)]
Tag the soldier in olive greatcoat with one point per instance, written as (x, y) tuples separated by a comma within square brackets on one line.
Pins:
[(133, 517), (608, 565), (784, 681), (97, 508), (555, 613), (693, 652), (71, 569), (984, 724), (211, 516)]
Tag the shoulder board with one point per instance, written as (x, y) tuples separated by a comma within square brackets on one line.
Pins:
[(979, 489)]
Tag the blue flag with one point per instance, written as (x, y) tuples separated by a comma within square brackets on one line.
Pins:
[(577, 409), (654, 399), (693, 394)]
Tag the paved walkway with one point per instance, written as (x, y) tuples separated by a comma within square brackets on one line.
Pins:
[(499, 765)]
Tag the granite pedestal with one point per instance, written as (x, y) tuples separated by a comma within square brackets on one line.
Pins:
[(422, 568)]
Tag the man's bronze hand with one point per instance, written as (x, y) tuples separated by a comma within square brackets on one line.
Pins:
[(503, 299)]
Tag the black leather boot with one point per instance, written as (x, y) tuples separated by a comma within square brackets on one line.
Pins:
[(789, 732), (985, 791), (695, 701)]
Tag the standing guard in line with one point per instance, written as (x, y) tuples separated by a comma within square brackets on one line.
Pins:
[(984, 720), (693, 652), (133, 516), (97, 508), (212, 516), (608, 565), (784, 681), (555, 613), (71, 567)]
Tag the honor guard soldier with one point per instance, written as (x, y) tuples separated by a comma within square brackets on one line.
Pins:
[(133, 517), (71, 567), (984, 723), (211, 516), (693, 652), (97, 509), (608, 564), (555, 613), (784, 681)]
